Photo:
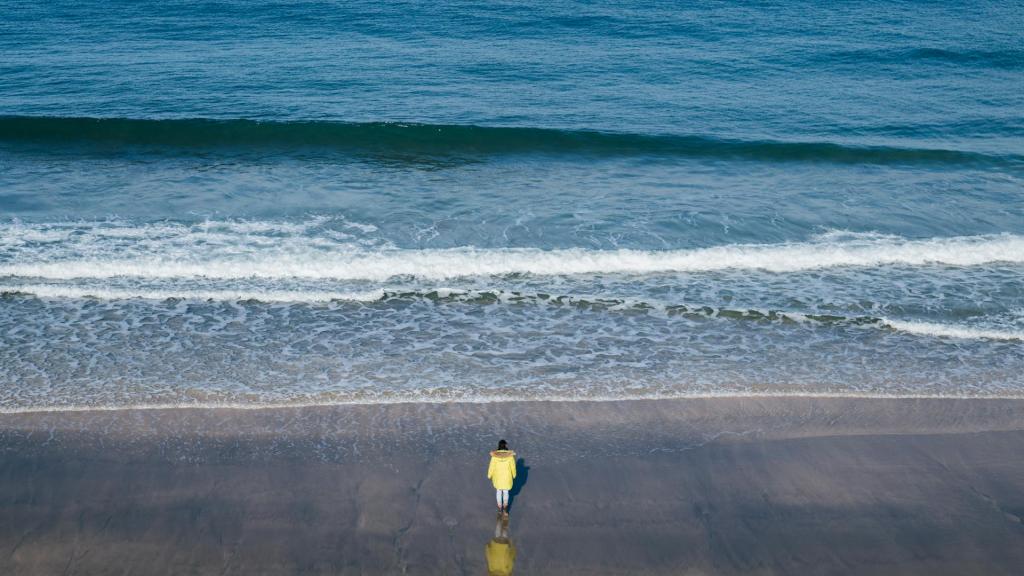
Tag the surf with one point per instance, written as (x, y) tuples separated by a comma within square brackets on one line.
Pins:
[(180, 256), (455, 296)]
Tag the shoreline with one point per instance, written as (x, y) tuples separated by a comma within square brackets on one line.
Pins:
[(742, 395), (697, 486)]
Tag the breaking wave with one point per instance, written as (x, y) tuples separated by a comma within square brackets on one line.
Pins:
[(315, 259), (482, 297)]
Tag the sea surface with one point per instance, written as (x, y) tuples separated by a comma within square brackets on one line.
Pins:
[(252, 203)]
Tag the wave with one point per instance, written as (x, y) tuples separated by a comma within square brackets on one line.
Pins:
[(345, 262), (487, 297), (1007, 59), (1010, 58), (947, 331), (443, 140)]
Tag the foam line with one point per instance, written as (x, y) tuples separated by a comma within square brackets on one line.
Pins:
[(270, 296), (948, 331), (348, 263), (498, 398), (454, 295)]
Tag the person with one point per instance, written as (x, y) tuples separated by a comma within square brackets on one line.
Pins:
[(502, 471)]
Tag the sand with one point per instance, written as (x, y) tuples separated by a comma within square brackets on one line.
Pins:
[(702, 486)]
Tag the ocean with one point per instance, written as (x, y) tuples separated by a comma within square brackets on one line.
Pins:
[(259, 204)]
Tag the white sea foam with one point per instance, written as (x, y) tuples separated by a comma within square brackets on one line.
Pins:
[(472, 398), (289, 296), (49, 291), (950, 331), (309, 258)]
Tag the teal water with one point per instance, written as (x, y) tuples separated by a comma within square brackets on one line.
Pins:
[(308, 202)]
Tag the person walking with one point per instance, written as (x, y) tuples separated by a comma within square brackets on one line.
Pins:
[(502, 471)]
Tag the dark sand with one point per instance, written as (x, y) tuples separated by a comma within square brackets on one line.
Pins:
[(720, 486)]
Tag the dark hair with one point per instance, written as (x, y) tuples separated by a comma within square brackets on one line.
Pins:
[(502, 445)]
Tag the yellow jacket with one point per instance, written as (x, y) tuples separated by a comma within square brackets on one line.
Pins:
[(502, 469), (501, 557)]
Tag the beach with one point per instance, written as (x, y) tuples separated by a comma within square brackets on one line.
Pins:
[(742, 285), (744, 485)]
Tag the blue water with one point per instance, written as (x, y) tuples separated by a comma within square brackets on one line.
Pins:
[(206, 203)]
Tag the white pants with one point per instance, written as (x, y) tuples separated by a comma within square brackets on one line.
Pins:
[(502, 497)]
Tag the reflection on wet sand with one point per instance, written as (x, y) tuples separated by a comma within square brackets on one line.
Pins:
[(500, 551)]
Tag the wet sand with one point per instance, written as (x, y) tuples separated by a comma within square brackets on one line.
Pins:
[(709, 486)]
